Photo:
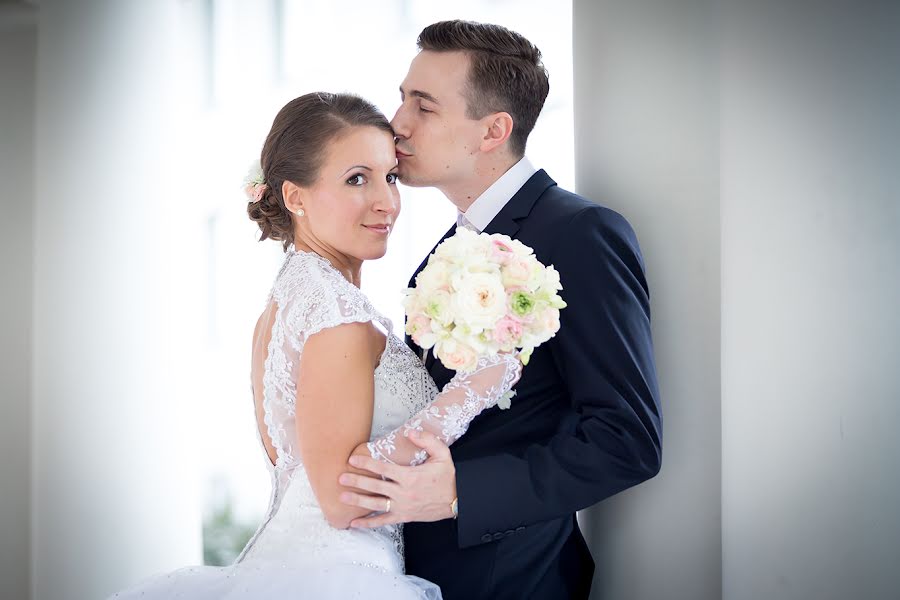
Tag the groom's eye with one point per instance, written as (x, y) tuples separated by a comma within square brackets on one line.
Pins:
[(357, 179)]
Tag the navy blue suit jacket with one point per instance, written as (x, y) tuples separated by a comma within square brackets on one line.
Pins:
[(585, 423)]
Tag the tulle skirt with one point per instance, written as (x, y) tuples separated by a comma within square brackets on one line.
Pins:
[(296, 554), (259, 580)]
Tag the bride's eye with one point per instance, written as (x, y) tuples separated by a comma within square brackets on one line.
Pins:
[(357, 179), (392, 178)]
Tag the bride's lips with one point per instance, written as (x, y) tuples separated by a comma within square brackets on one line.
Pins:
[(382, 228)]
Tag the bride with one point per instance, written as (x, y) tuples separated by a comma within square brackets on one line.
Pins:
[(329, 378)]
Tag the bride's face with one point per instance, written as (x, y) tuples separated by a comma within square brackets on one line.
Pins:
[(351, 209)]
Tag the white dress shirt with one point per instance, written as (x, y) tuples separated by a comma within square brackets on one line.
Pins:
[(493, 199)]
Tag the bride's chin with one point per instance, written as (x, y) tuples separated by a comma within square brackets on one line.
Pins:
[(373, 253)]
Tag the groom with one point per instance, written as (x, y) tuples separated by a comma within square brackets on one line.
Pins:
[(495, 518)]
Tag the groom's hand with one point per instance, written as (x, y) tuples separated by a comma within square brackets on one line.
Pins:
[(421, 493)]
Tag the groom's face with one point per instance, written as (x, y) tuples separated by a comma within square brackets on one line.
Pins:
[(436, 141)]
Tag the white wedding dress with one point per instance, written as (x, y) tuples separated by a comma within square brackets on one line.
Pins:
[(295, 553)]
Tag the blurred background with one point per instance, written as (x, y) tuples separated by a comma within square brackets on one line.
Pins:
[(752, 145)]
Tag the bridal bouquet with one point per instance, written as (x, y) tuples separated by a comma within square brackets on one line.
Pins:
[(481, 294)]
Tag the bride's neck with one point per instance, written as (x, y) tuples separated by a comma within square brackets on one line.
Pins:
[(350, 268)]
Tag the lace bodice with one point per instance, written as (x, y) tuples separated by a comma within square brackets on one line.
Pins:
[(308, 296)]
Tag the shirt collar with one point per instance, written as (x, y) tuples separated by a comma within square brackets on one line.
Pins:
[(493, 199)]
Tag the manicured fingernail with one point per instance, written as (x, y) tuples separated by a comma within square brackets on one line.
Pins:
[(344, 479), (354, 460), (346, 497)]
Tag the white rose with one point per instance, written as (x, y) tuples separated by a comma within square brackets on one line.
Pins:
[(412, 301), (519, 248), (481, 260), (479, 300), (466, 249), (551, 279), (457, 245), (434, 276)]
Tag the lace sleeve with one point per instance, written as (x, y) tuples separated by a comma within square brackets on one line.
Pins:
[(449, 414), (316, 297)]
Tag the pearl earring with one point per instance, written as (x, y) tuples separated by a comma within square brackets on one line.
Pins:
[(300, 212)]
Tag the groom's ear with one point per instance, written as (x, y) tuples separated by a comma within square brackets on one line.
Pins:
[(499, 126), (293, 195)]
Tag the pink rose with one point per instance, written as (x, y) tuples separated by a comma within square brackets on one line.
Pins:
[(501, 251), (507, 332), (516, 272), (255, 191), (456, 355), (549, 320), (417, 327)]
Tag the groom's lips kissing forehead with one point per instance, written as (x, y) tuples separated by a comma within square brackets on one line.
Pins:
[(402, 154)]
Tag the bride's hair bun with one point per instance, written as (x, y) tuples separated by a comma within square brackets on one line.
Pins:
[(273, 218), (295, 148)]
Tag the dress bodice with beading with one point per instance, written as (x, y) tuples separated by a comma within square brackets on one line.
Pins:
[(309, 295)]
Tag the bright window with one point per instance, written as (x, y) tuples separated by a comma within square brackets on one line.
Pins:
[(255, 57)]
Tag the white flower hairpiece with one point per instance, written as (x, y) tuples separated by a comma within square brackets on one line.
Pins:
[(254, 185)]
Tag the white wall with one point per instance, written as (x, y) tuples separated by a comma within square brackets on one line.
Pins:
[(646, 145), (811, 300), (18, 44), (109, 346)]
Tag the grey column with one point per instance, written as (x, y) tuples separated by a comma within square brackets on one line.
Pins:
[(18, 52), (646, 139), (811, 300)]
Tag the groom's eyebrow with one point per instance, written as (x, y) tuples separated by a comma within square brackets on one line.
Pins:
[(420, 94)]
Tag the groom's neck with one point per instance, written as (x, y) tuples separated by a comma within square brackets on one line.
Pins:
[(488, 169)]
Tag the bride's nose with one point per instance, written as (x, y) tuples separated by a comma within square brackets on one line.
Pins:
[(387, 200)]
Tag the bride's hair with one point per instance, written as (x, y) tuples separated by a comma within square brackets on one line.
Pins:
[(295, 148)]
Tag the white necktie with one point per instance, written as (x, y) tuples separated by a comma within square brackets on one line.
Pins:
[(462, 221)]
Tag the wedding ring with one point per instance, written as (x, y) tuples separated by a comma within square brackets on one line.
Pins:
[(387, 508)]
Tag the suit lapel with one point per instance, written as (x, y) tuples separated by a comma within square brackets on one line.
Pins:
[(519, 206)]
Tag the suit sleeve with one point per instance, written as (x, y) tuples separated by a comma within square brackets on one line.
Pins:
[(604, 353)]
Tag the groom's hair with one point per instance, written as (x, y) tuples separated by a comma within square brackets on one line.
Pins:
[(505, 72)]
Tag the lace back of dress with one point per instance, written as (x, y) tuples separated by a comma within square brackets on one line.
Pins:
[(310, 296)]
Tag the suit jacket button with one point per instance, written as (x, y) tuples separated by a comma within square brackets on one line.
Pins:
[(486, 537), (498, 536)]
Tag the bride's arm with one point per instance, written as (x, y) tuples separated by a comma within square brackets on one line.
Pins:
[(448, 415), (335, 398)]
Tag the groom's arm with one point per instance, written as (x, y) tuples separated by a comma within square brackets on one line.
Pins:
[(605, 356)]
